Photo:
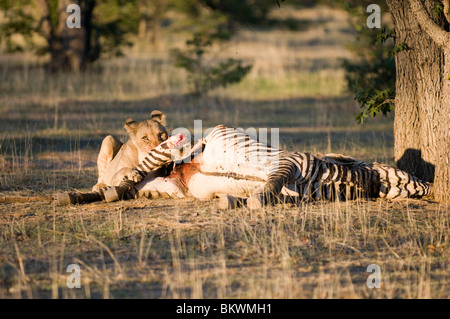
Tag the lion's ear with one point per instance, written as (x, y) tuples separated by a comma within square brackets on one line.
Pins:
[(158, 116), (130, 125)]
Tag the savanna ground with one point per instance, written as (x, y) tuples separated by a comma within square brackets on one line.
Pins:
[(51, 130)]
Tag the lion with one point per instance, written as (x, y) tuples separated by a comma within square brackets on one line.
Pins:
[(116, 159)]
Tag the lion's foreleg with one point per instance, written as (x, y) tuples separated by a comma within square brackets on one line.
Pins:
[(110, 146)]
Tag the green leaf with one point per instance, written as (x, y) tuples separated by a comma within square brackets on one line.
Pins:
[(400, 47), (438, 9), (383, 35)]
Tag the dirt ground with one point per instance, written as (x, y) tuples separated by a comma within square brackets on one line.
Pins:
[(51, 130)]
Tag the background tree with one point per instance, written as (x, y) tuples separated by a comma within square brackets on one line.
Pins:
[(107, 24), (241, 11), (422, 86), (104, 25), (202, 76), (151, 15), (214, 21), (422, 101)]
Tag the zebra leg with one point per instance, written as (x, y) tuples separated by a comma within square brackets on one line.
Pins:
[(110, 194), (79, 198), (110, 146), (282, 172), (115, 193)]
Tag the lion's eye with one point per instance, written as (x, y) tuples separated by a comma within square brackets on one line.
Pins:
[(145, 138)]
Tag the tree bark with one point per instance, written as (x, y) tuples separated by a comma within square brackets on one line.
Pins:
[(69, 48), (422, 103)]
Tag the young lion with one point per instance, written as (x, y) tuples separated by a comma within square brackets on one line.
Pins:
[(116, 159)]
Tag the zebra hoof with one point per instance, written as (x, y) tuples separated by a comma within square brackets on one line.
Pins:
[(255, 202), (63, 199), (227, 202), (111, 195)]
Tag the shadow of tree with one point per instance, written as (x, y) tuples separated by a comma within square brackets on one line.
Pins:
[(412, 162), (304, 122)]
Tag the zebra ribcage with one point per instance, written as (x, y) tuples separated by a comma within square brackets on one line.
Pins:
[(317, 179), (232, 151)]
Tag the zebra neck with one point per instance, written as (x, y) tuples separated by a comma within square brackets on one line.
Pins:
[(156, 158)]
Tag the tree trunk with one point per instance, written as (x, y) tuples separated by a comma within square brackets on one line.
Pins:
[(422, 103), (70, 47)]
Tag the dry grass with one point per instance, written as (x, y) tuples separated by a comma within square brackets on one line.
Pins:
[(52, 126), (187, 249)]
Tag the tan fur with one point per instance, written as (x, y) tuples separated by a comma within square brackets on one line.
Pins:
[(115, 160)]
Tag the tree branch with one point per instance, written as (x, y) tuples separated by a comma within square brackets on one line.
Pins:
[(447, 9), (439, 35), (44, 25)]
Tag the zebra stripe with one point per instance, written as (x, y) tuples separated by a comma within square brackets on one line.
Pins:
[(156, 158), (233, 153), (332, 177)]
